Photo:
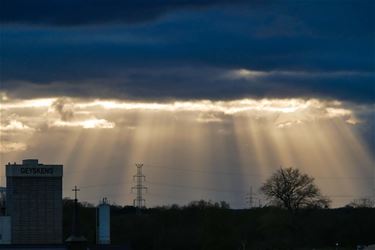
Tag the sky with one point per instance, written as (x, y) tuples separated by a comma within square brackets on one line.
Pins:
[(212, 96)]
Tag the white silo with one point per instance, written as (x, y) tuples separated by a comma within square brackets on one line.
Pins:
[(103, 223)]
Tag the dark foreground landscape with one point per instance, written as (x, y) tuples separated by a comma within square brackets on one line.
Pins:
[(206, 225)]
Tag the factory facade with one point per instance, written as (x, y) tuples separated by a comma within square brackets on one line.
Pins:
[(34, 202)]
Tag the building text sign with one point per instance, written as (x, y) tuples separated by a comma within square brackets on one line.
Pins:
[(34, 171)]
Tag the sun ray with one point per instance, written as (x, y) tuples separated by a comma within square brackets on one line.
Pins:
[(190, 143)]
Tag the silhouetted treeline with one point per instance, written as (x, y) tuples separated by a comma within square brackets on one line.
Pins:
[(206, 225)]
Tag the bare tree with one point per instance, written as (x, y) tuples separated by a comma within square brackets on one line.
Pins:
[(292, 189)]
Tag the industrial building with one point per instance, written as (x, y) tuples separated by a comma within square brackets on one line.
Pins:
[(34, 202)]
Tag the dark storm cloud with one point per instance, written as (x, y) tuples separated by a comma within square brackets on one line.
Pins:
[(329, 47), (82, 12)]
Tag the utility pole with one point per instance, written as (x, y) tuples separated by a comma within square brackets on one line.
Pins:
[(139, 202), (75, 226), (76, 240)]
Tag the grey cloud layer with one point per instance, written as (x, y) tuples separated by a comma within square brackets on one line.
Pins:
[(304, 49)]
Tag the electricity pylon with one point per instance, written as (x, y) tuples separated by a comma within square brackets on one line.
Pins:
[(139, 202)]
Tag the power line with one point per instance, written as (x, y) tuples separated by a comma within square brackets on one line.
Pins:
[(246, 173), (197, 187), (209, 189)]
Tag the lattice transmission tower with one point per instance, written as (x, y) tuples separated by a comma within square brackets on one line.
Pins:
[(252, 198), (139, 178)]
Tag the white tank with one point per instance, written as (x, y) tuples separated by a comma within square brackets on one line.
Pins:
[(103, 223)]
